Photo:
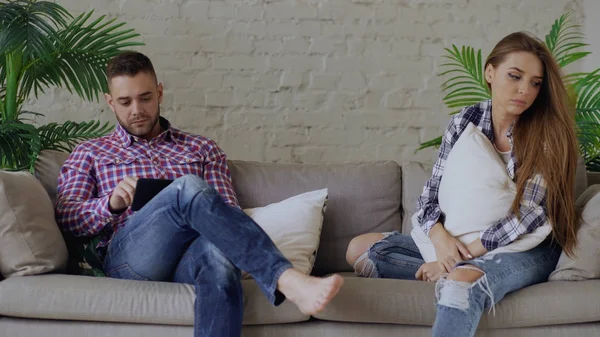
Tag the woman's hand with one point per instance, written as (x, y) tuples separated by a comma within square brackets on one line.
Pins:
[(430, 272), (448, 250)]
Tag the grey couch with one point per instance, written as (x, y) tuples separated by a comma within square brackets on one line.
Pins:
[(368, 197)]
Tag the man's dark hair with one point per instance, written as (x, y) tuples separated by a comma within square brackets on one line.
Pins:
[(129, 64)]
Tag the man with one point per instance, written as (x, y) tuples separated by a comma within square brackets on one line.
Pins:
[(191, 232)]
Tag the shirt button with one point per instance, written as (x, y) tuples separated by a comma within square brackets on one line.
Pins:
[(187, 160), (155, 161)]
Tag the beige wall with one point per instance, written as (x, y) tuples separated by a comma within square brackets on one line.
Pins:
[(308, 81), (591, 29)]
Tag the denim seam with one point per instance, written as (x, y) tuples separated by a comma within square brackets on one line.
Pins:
[(127, 267), (399, 262), (273, 286)]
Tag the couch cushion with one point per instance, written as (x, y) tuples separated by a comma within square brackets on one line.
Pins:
[(70, 297), (30, 241), (363, 197), (413, 302), (585, 264)]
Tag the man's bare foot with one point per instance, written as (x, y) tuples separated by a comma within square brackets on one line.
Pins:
[(310, 294)]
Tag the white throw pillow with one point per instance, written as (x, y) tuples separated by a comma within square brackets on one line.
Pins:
[(474, 193), (294, 225)]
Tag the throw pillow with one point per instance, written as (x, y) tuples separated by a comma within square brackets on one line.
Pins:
[(30, 241), (586, 262), (474, 193), (294, 225)]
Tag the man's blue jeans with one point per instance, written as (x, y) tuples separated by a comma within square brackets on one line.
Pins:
[(188, 234), (461, 304)]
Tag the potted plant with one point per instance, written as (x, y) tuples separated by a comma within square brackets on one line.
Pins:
[(43, 46), (467, 85)]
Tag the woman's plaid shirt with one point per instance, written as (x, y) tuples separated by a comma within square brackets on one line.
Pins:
[(506, 230)]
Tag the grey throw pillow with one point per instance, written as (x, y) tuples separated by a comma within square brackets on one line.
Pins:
[(30, 241), (586, 262)]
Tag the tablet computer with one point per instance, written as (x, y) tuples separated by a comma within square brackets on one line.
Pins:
[(146, 189)]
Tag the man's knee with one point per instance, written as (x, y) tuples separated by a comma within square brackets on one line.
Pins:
[(192, 183), (219, 269)]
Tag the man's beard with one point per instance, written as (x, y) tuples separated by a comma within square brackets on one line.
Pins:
[(138, 134)]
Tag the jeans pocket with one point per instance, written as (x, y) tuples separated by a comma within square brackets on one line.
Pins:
[(125, 271)]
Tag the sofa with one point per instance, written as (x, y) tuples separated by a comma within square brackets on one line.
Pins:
[(363, 197)]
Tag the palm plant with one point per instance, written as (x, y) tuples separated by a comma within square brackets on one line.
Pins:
[(467, 85), (42, 45)]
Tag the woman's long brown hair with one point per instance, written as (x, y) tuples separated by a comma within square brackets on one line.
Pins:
[(545, 140)]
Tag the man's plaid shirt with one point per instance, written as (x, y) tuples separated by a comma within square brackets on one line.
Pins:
[(505, 230), (95, 167)]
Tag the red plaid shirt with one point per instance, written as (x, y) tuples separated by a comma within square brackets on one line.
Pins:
[(95, 167)]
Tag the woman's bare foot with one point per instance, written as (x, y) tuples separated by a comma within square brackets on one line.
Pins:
[(310, 294)]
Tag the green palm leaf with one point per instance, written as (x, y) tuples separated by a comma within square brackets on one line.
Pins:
[(30, 27), (588, 98), (588, 117), (589, 138), (80, 57), (563, 39), (16, 141), (467, 85), (64, 137), (42, 45), (593, 164), (436, 142)]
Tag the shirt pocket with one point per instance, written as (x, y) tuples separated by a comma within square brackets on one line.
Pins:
[(108, 161), (184, 163), (110, 170)]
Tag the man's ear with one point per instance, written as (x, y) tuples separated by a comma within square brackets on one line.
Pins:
[(110, 101), (160, 93)]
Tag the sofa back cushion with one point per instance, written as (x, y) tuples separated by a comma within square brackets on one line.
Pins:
[(47, 169), (363, 197), (585, 263)]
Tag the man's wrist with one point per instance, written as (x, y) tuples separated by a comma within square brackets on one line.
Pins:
[(114, 211)]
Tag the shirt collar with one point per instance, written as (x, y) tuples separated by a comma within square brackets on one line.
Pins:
[(126, 139), (487, 116)]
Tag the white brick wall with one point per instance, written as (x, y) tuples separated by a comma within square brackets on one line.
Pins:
[(307, 81)]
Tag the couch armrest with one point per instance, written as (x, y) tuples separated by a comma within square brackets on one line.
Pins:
[(414, 176)]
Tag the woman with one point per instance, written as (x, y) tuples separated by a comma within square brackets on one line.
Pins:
[(530, 122)]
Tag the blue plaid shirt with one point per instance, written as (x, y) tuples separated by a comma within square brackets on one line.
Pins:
[(505, 230)]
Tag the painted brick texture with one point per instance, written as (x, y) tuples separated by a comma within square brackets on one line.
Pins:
[(307, 81)]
